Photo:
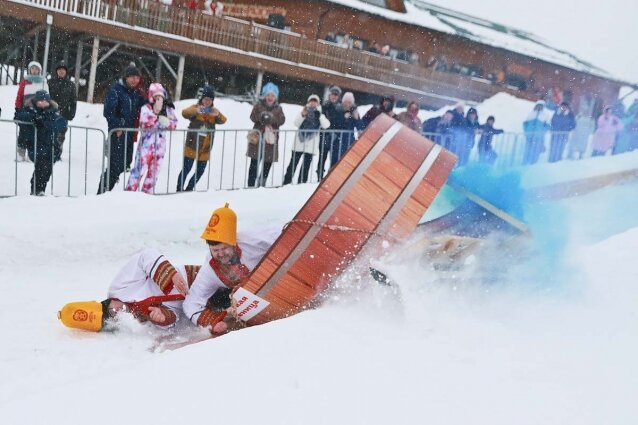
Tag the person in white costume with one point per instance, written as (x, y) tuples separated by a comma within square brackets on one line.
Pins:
[(148, 286), (229, 260), (149, 274)]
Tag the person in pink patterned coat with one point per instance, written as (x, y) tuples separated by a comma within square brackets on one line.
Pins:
[(158, 115), (606, 132)]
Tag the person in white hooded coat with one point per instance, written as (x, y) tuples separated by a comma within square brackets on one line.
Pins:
[(310, 122)]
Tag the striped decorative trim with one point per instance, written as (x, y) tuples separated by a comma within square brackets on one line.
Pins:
[(169, 317), (209, 318), (191, 273), (163, 276)]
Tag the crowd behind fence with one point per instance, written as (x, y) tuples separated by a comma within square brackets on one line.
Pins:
[(86, 158)]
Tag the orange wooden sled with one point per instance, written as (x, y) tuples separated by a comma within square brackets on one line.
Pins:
[(376, 194)]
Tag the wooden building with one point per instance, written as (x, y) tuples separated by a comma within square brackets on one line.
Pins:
[(435, 56)]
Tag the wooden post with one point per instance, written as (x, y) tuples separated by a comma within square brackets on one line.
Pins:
[(158, 70), (36, 41), (78, 66), (45, 62), (260, 82), (180, 78), (94, 53)]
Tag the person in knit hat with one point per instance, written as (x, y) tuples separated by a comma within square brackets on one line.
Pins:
[(230, 258), (385, 106), (267, 117), (157, 116), (121, 108), (33, 82), (310, 122), (41, 138), (351, 122), (148, 286), (203, 116)]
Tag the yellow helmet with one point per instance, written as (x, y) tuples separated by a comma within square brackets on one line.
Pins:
[(85, 315), (222, 226)]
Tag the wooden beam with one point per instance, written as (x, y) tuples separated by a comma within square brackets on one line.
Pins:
[(94, 54)]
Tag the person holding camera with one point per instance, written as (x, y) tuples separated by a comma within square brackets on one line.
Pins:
[(156, 116), (310, 122), (268, 117), (203, 116)]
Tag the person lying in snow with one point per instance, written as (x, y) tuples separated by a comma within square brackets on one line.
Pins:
[(229, 260), (148, 286)]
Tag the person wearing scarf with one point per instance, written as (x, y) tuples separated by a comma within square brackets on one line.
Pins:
[(229, 261)]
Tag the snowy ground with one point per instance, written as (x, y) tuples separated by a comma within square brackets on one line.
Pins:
[(551, 342)]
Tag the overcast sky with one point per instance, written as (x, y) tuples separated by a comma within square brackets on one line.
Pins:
[(602, 32)]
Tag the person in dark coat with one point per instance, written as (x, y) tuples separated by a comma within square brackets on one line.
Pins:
[(485, 150), (268, 117), (563, 122), (42, 137), (351, 122), (466, 136), (62, 91), (385, 106), (121, 108), (330, 141), (631, 133), (437, 129)]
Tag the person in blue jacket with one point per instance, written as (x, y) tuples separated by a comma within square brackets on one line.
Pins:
[(121, 106), (41, 138), (535, 126)]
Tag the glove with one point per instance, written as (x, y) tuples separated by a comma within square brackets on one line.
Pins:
[(38, 120), (163, 121), (266, 117)]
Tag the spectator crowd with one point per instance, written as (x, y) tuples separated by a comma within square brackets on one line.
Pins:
[(324, 130)]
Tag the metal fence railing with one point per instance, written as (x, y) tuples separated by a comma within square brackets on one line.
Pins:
[(185, 159)]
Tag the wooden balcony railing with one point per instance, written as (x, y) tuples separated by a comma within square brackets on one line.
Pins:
[(247, 36)]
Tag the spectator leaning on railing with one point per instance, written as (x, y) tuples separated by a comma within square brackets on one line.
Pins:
[(410, 117), (485, 150)]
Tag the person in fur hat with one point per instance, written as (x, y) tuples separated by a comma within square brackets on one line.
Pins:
[(121, 107), (385, 106), (310, 122), (33, 82), (41, 139), (148, 286), (157, 116), (203, 116), (230, 258), (267, 117)]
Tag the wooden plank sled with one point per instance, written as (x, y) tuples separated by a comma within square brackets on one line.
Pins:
[(375, 195)]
